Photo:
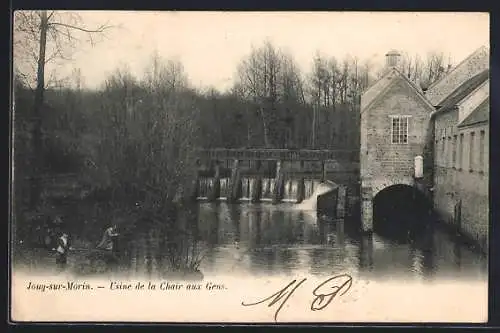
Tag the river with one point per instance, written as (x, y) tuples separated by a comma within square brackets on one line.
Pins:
[(246, 239), (263, 239)]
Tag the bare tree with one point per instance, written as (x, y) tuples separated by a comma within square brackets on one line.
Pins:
[(344, 81), (366, 76), (258, 80), (147, 132), (354, 79), (291, 92), (334, 75), (426, 71), (77, 79), (290, 81), (45, 36), (319, 89), (436, 66)]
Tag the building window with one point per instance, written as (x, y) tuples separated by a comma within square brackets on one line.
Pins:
[(454, 157), (441, 158), (471, 152), (481, 150), (449, 153), (461, 151), (399, 129)]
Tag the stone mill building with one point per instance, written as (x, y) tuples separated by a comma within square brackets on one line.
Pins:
[(432, 143)]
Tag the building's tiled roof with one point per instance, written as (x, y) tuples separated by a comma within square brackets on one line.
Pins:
[(378, 88), (479, 115), (464, 90), (467, 68)]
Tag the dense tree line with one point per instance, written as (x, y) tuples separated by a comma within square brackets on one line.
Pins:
[(135, 138), (272, 104)]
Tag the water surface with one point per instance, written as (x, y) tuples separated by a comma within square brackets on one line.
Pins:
[(246, 239)]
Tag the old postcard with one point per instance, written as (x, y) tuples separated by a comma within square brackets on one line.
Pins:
[(250, 167)]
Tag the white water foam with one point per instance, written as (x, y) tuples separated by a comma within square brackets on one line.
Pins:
[(310, 204)]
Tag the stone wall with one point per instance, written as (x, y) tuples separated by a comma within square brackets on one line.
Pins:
[(327, 203), (383, 163), (445, 129), (460, 189)]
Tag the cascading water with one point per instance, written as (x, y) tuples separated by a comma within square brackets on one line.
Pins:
[(310, 203), (224, 188), (267, 189), (291, 189), (246, 188), (205, 186), (310, 186)]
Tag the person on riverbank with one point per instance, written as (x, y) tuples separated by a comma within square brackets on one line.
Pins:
[(62, 249), (108, 239), (108, 244)]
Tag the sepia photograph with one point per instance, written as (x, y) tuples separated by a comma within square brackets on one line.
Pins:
[(249, 167)]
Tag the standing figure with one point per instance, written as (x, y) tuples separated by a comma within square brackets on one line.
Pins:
[(62, 250), (54, 228), (108, 243)]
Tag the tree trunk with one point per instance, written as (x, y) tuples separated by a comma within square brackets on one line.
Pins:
[(37, 131), (313, 139), (265, 127)]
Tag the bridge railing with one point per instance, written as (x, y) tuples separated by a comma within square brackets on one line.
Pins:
[(277, 154)]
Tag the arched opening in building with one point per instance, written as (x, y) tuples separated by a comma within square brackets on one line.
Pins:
[(401, 213)]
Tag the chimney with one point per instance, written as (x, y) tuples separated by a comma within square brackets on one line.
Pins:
[(392, 58)]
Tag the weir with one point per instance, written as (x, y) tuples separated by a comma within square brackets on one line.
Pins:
[(313, 178), (326, 198), (291, 191)]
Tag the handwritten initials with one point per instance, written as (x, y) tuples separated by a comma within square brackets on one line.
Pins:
[(319, 302), (278, 296), (325, 293)]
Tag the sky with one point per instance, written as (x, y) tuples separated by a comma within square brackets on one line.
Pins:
[(211, 44)]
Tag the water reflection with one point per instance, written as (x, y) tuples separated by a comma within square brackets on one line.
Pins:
[(263, 239)]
